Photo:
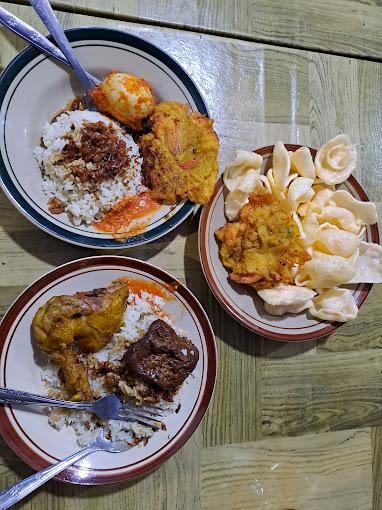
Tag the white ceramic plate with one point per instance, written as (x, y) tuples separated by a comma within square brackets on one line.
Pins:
[(28, 432), (34, 87), (242, 302)]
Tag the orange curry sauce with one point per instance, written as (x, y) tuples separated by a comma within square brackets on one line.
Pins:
[(118, 221), (137, 286)]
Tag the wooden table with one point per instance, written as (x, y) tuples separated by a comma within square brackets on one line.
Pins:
[(290, 426)]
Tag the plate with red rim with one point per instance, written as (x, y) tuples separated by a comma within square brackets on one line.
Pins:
[(29, 433), (241, 301)]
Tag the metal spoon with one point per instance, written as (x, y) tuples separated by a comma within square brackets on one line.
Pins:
[(20, 490), (45, 12), (32, 36)]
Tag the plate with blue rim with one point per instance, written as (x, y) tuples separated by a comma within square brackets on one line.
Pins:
[(34, 87)]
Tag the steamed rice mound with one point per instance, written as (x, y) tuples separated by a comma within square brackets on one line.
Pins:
[(88, 188)]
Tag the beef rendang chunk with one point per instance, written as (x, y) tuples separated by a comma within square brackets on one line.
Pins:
[(162, 357)]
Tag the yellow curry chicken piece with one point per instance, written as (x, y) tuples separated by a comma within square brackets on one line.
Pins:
[(262, 247), (85, 321)]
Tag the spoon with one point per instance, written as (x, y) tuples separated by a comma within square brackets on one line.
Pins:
[(32, 36), (20, 490), (45, 12)]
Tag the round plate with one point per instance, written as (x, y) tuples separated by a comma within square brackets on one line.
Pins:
[(22, 118), (241, 301), (30, 435)]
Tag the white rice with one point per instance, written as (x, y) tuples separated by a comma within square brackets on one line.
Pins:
[(141, 312), (81, 204)]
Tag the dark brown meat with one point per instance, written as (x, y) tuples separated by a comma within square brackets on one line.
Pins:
[(162, 357)]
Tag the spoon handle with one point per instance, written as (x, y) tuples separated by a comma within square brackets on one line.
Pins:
[(31, 35), (20, 490), (45, 12)]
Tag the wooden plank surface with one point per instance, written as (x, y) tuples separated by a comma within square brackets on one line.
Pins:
[(377, 461), (323, 472), (345, 27), (306, 394), (257, 95)]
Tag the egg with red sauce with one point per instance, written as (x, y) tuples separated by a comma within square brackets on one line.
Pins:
[(125, 97)]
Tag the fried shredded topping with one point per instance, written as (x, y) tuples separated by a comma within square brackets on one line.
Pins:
[(103, 153)]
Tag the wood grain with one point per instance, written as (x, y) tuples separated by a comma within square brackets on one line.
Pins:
[(257, 94), (321, 392), (175, 486), (330, 471), (235, 413), (377, 461), (346, 27)]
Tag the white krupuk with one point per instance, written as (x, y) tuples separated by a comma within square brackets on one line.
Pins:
[(274, 188), (335, 241), (242, 177), (369, 264), (325, 271), (266, 183), (283, 299), (283, 309), (364, 212), (281, 165), (302, 209), (320, 199), (334, 305), (300, 191), (244, 163), (299, 225), (302, 163), (336, 160), (248, 182), (340, 217), (234, 201), (311, 228), (283, 294)]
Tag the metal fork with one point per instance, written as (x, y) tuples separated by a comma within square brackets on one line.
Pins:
[(17, 492), (106, 408), (33, 37)]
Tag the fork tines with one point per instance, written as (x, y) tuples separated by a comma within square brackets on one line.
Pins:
[(146, 415)]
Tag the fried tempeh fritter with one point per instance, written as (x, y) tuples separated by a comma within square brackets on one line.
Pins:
[(179, 155), (263, 245)]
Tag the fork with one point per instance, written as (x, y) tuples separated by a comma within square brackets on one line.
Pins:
[(18, 491), (29, 34), (106, 408)]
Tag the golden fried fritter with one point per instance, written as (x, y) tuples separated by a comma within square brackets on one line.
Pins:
[(85, 321), (262, 246), (180, 155)]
